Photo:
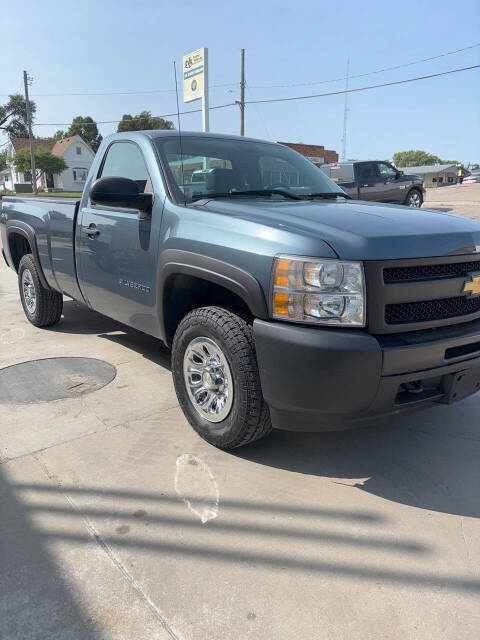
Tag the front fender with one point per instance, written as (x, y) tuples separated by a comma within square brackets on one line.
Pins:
[(237, 280)]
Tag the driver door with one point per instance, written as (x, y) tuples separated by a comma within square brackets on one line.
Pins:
[(117, 248), (393, 188), (370, 183)]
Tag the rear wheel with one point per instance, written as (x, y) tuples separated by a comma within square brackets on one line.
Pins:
[(414, 199), (42, 307), (216, 378)]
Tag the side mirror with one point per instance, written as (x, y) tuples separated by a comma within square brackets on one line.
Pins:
[(120, 192), (400, 173)]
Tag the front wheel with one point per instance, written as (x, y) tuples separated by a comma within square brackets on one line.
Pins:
[(216, 378), (414, 199)]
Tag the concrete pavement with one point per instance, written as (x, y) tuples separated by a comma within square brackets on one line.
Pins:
[(119, 523), (463, 199)]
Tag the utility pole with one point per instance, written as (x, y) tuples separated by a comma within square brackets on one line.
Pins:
[(26, 79), (242, 95), (344, 139)]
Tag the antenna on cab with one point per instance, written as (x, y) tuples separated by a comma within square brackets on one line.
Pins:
[(179, 133)]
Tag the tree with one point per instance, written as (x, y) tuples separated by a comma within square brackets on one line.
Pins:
[(59, 135), (3, 160), (86, 128), (13, 116), (452, 162), (414, 158), (144, 120), (45, 162)]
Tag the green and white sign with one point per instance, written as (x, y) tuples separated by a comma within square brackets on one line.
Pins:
[(194, 75)]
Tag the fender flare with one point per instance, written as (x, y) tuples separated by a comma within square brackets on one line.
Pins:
[(175, 262), (25, 230)]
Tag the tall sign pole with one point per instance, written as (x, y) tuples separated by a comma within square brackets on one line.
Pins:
[(30, 135), (195, 81), (242, 94), (205, 107)]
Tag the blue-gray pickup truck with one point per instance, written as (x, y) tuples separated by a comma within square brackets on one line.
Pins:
[(285, 303)]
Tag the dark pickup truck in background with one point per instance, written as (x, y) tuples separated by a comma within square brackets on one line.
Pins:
[(376, 181), (285, 302)]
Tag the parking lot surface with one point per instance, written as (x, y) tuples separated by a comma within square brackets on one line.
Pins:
[(462, 199), (118, 522)]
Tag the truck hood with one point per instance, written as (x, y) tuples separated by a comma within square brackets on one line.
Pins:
[(362, 230)]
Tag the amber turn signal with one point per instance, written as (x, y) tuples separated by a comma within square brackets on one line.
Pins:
[(280, 303), (281, 273)]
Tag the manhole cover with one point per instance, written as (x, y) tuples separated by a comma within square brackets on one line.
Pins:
[(53, 379)]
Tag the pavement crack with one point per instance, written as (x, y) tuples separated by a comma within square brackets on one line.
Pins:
[(105, 547)]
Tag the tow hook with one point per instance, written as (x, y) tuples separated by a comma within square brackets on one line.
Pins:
[(413, 387)]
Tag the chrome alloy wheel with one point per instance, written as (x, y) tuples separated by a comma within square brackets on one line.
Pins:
[(414, 200), (29, 293), (208, 379)]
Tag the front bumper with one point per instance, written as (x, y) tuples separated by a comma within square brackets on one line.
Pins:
[(321, 379)]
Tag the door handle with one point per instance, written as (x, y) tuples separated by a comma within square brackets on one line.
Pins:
[(91, 231)]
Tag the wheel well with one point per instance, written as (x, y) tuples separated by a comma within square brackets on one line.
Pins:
[(414, 189), (183, 293), (19, 247)]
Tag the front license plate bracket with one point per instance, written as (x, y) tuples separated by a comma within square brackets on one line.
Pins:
[(461, 384)]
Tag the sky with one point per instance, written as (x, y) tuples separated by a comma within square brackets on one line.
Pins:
[(108, 45)]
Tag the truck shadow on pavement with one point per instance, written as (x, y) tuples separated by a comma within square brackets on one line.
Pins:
[(429, 459)]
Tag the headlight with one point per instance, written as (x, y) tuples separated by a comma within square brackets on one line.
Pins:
[(318, 291)]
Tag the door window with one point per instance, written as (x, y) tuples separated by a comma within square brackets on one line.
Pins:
[(125, 160), (367, 173), (386, 171)]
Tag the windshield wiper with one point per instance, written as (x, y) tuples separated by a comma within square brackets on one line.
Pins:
[(330, 194), (249, 192)]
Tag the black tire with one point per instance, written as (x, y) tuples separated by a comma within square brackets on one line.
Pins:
[(249, 417), (414, 199), (48, 304)]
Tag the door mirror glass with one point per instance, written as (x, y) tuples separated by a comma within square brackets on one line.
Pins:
[(119, 192)]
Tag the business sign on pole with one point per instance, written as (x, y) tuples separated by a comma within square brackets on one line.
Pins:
[(194, 71)]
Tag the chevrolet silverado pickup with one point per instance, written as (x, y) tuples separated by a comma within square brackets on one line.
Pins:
[(285, 303), (377, 181)]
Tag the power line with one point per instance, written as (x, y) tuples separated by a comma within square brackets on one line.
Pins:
[(369, 73), (165, 115), (272, 86), (372, 86), (259, 115), (270, 100)]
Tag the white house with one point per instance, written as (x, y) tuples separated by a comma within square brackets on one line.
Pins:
[(435, 175), (78, 157)]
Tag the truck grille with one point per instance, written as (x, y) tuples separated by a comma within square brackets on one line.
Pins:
[(420, 293), (430, 310), (429, 271)]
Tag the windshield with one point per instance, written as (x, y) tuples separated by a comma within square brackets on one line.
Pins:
[(223, 166)]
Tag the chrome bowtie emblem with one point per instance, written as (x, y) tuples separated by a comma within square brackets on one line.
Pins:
[(472, 286)]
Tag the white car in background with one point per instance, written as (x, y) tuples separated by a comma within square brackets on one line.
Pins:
[(473, 177)]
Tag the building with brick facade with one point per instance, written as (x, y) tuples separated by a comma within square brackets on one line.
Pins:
[(314, 152)]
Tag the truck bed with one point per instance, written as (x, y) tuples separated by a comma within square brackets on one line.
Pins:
[(50, 222)]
